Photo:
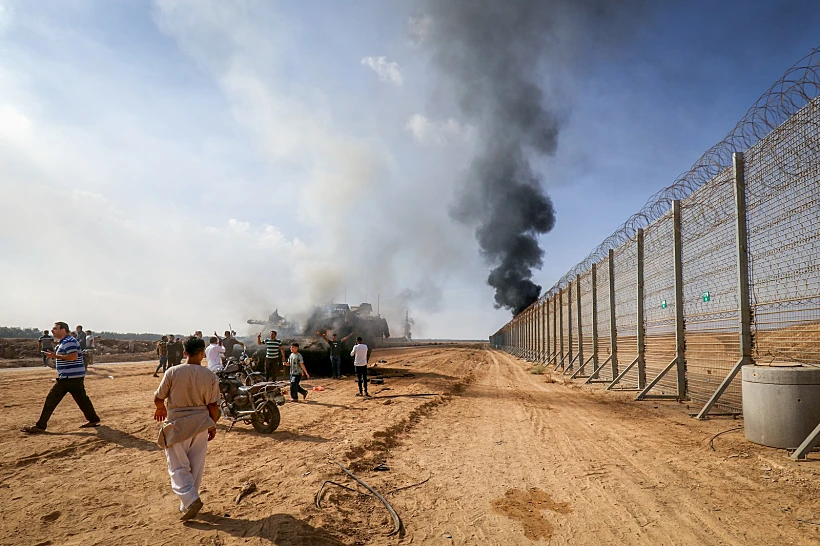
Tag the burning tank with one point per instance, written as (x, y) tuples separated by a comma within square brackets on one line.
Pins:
[(276, 322), (332, 318)]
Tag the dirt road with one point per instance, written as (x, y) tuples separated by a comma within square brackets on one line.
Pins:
[(494, 455)]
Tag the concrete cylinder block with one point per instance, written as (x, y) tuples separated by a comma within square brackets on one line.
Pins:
[(781, 405)]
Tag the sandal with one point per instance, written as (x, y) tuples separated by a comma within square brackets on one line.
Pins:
[(32, 429)]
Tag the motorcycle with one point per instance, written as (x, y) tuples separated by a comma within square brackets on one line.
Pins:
[(257, 404), (245, 369)]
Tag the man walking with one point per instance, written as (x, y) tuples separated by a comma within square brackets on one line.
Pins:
[(359, 354), (274, 355), (335, 353), (45, 343), (162, 353), (70, 379), (297, 368), (186, 400), (175, 351)]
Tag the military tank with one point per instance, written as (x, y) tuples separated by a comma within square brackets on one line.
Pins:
[(332, 318)]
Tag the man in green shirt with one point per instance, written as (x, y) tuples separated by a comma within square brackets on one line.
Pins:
[(274, 355)]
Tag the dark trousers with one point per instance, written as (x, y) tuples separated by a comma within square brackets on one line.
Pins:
[(272, 368), (295, 388), (336, 367), (163, 363), (62, 387), (361, 377)]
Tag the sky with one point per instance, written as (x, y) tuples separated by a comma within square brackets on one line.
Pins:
[(177, 165)]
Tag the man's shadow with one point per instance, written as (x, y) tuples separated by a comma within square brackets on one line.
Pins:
[(125, 439), (280, 529)]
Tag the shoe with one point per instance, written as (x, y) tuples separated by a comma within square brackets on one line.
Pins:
[(367, 395), (192, 510), (359, 394), (90, 424), (155, 375), (32, 429), (304, 396)]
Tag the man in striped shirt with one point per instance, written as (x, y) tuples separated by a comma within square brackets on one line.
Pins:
[(70, 379), (274, 355)]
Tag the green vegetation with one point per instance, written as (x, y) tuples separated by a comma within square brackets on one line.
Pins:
[(34, 333)]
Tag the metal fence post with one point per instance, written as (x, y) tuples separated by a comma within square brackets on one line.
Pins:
[(569, 327), (555, 346), (561, 324), (580, 321), (679, 324), (594, 321), (640, 310), (743, 294), (613, 325)]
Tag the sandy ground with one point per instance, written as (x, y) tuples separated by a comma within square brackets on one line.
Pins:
[(506, 457)]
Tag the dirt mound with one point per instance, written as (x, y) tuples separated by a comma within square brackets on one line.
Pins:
[(27, 348)]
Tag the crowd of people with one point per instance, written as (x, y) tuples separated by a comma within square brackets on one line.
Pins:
[(187, 398)]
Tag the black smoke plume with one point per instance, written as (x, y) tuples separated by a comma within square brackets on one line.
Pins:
[(496, 54)]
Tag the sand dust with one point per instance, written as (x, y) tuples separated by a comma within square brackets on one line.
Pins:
[(511, 459)]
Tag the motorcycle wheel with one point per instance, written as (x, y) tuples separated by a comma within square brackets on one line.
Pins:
[(267, 419)]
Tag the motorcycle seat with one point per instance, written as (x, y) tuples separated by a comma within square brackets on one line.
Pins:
[(253, 389)]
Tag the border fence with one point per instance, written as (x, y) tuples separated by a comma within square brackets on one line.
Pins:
[(719, 270)]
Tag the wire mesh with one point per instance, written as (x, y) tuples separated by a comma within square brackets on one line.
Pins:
[(604, 332), (573, 310), (586, 318), (710, 303), (783, 208), (626, 310), (659, 303), (566, 307), (780, 135)]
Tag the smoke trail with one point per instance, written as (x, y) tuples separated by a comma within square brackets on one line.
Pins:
[(493, 52)]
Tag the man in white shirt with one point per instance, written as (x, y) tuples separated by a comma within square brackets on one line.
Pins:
[(359, 354), (213, 353)]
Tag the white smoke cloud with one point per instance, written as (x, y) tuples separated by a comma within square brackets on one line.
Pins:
[(428, 132), (418, 29), (5, 16), (216, 201), (387, 71)]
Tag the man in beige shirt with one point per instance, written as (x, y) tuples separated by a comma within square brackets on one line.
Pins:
[(186, 400)]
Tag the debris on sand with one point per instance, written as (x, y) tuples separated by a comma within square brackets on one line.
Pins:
[(247, 488)]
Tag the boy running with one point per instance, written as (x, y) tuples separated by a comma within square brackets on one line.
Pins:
[(192, 393), (297, 366)]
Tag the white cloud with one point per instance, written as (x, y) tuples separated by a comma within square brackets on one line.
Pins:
[(5, 15), (387, 71), (429, 132), (418, 29), (14, 125)]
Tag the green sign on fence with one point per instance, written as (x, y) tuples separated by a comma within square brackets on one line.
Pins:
[(707, 297), (663, 304)]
